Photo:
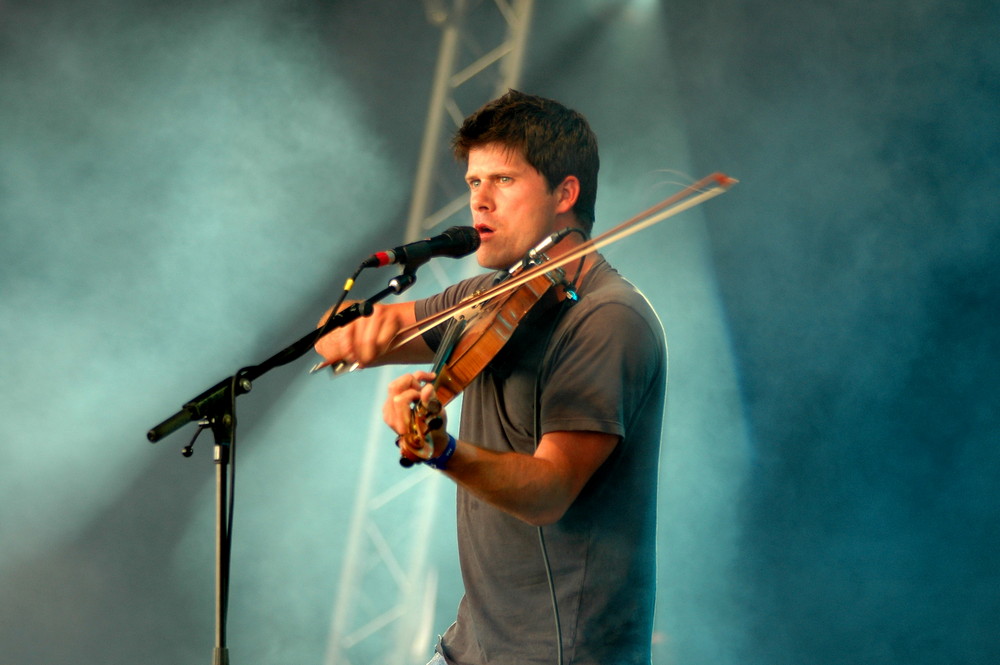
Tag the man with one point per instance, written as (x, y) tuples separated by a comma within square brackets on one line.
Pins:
[(556, 460)]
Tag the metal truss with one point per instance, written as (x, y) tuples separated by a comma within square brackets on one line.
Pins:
[(470, 71), (384, 609)]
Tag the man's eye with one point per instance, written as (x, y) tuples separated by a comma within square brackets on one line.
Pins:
[(505, 179)]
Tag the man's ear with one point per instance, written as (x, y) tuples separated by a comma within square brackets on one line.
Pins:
[(568, 191)]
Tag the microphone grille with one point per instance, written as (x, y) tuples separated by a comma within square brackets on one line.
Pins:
[(464, 240)]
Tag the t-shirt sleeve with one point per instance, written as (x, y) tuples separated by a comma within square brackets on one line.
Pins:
[(603, 371)]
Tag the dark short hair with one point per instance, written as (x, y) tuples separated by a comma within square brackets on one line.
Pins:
[(556, 141)]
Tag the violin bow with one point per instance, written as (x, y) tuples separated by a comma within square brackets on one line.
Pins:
[(687, 198)]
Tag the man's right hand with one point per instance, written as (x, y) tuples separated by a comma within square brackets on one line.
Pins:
[(367, 341)]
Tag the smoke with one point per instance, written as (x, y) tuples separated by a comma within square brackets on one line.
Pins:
[(855, 264), (177, 179)]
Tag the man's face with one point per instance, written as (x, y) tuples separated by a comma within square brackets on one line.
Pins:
[(512, 207)]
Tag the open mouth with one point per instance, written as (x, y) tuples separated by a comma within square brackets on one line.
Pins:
[(484, 230)]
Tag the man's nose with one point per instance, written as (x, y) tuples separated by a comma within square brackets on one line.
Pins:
[(481, 198)]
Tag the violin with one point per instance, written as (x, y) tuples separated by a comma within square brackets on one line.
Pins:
[(480, 326)]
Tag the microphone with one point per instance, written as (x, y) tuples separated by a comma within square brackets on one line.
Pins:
[(456, 242), (531, 258)]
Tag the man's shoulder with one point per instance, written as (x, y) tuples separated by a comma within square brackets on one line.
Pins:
[(617, 297)]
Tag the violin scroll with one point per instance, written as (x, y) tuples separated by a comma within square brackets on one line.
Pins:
[(416, 412), (417, 445)]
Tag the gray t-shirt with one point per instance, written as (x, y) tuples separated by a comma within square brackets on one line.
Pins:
[(603, 369)]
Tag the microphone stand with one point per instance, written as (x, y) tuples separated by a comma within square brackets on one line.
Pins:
[(215, 408)]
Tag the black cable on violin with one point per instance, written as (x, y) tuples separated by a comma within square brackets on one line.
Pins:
[(575, 283)]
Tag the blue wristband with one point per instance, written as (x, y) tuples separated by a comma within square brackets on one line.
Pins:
[(441, 461)]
